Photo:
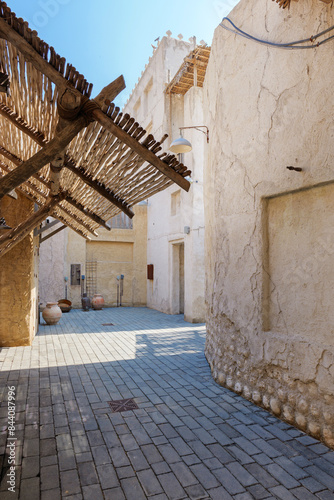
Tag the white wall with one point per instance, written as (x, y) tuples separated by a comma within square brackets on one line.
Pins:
[(167, 114)]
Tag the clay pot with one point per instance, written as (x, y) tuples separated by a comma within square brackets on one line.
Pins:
[(97, 302), (65, 305), (52, 313), (85, 301)]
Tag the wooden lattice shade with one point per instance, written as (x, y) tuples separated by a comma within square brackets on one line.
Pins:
[(55, 140)]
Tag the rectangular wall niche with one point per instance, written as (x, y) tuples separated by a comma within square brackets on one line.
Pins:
[(299, 256), (75, 274)]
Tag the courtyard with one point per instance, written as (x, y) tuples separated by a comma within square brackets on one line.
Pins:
[(188, 438)]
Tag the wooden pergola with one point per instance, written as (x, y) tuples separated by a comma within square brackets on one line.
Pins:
[(79, 159), (191, 72)]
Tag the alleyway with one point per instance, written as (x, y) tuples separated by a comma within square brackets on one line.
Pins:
[(189, 437)]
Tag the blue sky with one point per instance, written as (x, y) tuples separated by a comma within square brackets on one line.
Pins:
[(106, 38)]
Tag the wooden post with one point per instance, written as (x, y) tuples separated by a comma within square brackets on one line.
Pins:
[(68, 106)]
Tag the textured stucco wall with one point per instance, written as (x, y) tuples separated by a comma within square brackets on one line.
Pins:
[(119, 251), (18, 280), (52, 265), (122, 251), (269, 231), (165, 229), (165, 114)]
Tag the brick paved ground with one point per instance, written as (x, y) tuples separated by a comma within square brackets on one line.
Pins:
[(190, 438)]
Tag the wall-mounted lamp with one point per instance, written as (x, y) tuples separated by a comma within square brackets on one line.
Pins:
[(181, 145)]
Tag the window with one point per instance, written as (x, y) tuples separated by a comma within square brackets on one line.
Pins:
[(175, 202), (121, 221)]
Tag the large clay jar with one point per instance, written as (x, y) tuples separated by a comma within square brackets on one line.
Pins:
[(52, 313), (97, 302), (85, 301)]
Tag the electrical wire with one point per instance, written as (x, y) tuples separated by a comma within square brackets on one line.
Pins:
[(289, 45)]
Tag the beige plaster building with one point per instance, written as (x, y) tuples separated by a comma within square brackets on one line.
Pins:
[(269, 189), (121, 251), (169, 95)]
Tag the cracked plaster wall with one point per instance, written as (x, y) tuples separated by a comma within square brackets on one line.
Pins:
[(269, 231)]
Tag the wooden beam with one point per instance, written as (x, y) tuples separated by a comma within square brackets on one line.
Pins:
[(110, 91), (68, 106), (70, 164), (75, 229), (17, 161), (99, 187), (16, 120), (42, 157), (35, 189), (10, 156), (63, 209), (28, 184), (136, 146), (14, 236), (77, 219), (196, 62), (96, 218), (46, 227), (53, 233), (32, 56)]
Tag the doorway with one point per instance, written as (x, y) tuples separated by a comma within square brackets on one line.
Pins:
[(177, 299)]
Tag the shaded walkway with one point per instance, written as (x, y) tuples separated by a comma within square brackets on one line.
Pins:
[(189, 437)]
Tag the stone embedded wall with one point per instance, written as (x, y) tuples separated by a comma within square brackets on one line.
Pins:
[(18, 279), (269, 230)]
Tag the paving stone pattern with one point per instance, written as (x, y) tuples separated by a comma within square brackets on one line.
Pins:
[(189, 437)]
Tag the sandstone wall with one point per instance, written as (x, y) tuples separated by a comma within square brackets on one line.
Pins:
[(18, 280), (115, 252), (269, 230), (121, 251)]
